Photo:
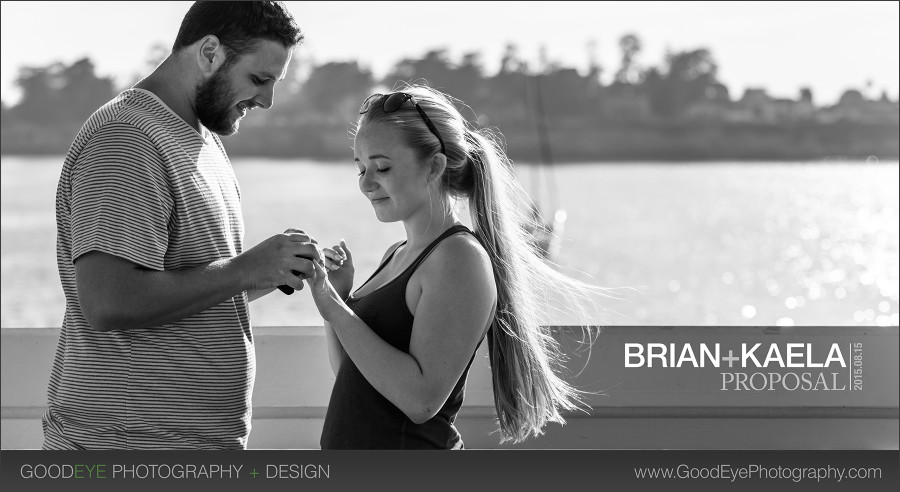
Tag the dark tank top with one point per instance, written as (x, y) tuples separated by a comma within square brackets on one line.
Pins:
[(358, 416)]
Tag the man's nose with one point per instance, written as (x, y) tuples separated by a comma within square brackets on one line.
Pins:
[(267, 98)]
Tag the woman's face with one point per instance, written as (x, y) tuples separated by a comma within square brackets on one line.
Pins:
[(391, 176)]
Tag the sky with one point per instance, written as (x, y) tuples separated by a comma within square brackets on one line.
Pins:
[(781, 46)]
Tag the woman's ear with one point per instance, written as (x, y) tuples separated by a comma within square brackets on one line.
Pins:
[(437, 167)]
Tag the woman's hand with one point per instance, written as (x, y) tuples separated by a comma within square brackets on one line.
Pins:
[(339, 265), (332, 281), (328, 301)]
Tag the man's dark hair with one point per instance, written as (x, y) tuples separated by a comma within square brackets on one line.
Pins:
[(238, 25)]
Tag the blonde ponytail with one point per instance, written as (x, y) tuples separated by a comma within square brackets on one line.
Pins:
[(525, 358)]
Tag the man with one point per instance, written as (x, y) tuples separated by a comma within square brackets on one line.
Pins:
[(156, 349)]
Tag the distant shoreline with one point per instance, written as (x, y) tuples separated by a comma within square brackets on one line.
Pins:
[(570, 142)]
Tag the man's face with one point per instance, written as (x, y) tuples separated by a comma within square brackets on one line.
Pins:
[(230, 92)]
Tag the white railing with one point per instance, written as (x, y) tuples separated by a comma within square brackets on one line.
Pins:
[(640, 409)]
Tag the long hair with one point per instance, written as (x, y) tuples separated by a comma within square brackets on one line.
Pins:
[(524, 356)]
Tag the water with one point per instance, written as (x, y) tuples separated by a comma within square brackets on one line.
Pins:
[(702, 244)]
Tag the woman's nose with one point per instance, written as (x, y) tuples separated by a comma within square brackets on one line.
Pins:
[(366, 183)]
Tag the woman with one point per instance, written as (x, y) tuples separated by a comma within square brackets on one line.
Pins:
[(402, 344)]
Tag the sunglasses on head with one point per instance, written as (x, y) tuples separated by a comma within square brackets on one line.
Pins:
[(392, 102)]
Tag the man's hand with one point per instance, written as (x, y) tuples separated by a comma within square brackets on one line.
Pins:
[(283, 259)]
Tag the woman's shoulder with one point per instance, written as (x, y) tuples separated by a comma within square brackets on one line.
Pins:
[(459, 270), (458, 255)]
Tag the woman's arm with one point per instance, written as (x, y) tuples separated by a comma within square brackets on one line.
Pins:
[(335, 349), (457, 296)]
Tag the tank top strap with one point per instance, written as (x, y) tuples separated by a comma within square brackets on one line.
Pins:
[(387, 259), (427, 252)]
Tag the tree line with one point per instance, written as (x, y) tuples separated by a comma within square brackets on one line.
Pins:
[(679, 110)]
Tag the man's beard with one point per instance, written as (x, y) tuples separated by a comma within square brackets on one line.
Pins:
[(213, 103)]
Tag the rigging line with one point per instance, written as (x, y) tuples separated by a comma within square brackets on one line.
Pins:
[(545, 148), (534, 170)]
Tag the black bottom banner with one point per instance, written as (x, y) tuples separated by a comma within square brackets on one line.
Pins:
[(495, 471)]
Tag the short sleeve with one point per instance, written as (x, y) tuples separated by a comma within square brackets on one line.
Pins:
[(121, 203)]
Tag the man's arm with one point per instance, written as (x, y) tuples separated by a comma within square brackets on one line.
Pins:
[(116, 294), (253, 295)]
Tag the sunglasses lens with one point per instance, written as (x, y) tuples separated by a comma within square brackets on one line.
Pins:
[(394, 101), (367, 104)]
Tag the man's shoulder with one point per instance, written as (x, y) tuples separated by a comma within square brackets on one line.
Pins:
[(131, 118), (131, 108)]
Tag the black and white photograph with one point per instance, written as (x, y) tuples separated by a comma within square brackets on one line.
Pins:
[(648, 245)]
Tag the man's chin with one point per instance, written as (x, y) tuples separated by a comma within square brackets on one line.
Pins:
[(224, 131), (231, 131)]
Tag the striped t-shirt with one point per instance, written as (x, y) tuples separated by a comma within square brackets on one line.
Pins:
[(141, 184)]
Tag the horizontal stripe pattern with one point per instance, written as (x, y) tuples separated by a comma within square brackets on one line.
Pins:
[(141, 184)]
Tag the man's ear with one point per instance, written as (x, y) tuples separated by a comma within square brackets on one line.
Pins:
[(210, 54), (438, 165)]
